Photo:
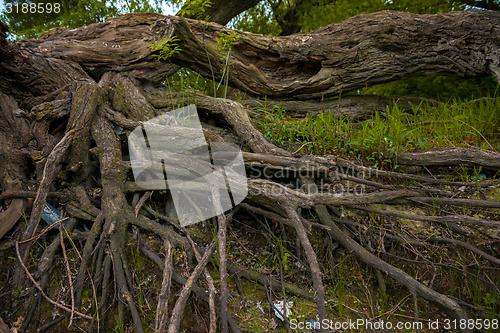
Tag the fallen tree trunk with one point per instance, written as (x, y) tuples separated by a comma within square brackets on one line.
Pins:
[(338, 58), (354, 107)]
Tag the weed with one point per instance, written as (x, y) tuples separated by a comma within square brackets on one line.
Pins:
[(226, 42), (388, 133), (120, 325), (284, 256), (166, 48)]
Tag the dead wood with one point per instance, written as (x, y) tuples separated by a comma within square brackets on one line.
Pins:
[(447, 219), (445, 303), (468, 156), (354, 107), (162, 307), (175, 318)]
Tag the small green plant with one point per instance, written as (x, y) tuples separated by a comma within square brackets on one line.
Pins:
[(166, 48), (490, 301), (282, 256), (120, 325), (226, 42), (381, 138)]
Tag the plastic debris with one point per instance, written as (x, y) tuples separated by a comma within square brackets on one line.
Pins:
[(279, 306), (119, 130), (51, 215), (481, 176), (260, 307)]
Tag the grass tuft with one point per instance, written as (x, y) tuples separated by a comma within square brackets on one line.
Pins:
[(473, 124)]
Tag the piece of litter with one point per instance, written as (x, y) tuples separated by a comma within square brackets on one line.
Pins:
[(51, 215), (278, 311), (481, 177), (260, 307)]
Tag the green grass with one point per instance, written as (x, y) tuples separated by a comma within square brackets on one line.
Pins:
[(448, 125)]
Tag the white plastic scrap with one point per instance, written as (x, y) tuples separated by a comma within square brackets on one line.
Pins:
[(260, 307), (279, 305)]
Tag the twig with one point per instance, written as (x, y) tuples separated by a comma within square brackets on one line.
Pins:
[(415, 309), (68, 269), (466, 245), (463, 122), (47, 229), (313, 262), (50, 324), (175, 320), (378, 173), (457, 202), (162, 308), (305, 144), (448, 220), (221, 249), (201, 293), (444, 265), (160, 216), (30, 194), (41, 290), (211, 287), (391, 311), (445, 303)]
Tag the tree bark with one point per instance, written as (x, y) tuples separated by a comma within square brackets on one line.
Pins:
[(456, 156)]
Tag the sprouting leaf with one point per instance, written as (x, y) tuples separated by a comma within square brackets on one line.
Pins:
[(166, 48)]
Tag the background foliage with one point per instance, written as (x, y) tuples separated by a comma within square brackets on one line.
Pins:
[(74, 14)]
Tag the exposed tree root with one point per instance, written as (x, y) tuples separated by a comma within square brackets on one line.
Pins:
[(41, 290), (162, 307), (180, 305), (445, 303), (103, 258), (447, 220)]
